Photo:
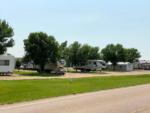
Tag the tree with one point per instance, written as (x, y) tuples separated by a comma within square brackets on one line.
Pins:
[(74, 53), (114, 54), (84, 54), (6, 32), (18, 63), (78, 54), (25, 59), (88, 52), (132, 55), (94, 53), (67, 56), (62, 49), (41, 48)]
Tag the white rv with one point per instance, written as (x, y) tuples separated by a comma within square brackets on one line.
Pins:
[(92, 65), (7, 63), (121, 66), (144, 64)]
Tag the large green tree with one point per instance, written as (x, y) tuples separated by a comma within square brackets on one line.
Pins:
[(84, 54), (132, 55), (94, 53), (41, 48), (78, 54), (62, 49), (88, 52), (74, 50), (18, 63), (114, 53), (6, 34)]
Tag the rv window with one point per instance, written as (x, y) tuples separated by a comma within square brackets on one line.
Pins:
[(95, 63), (103, 63), (4, 62)]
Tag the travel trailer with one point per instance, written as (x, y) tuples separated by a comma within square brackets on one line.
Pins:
[(7, 64), (145, 64), (92, 65), (54, 68), (142, 64), (121, 66)]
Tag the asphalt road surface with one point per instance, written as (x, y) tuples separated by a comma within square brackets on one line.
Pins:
[(124, 100)]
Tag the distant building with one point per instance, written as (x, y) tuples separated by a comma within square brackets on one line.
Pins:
[(121, 66)]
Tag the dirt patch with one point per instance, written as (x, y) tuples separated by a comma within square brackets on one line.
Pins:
[(105, 73)]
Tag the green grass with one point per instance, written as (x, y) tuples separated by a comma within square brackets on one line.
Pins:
[(32, 73), (27, 90)]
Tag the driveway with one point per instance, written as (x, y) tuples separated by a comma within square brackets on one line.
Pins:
[(124, 100)]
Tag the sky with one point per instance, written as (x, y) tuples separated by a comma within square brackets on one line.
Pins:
[(96, 22)]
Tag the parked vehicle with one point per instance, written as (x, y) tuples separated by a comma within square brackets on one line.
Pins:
[(146, 66), (54, 68), (59, 71), (7, 64), (121, 66), (142, 64), (92, 65)]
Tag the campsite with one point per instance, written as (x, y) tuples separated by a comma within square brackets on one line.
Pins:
[(74, 56), (70, 64)]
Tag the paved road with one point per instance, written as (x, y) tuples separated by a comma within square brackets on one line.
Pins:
[(125, 100)]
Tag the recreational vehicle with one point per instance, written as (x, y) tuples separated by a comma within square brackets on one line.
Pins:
[(145, 65), (142, 64), (7, 63), (92, 65), (55, 68), (121, 66)]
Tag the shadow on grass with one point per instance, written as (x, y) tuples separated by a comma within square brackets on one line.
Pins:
[(34, 73)]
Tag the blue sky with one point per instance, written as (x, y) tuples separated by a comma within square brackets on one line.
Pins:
[(96, 22)]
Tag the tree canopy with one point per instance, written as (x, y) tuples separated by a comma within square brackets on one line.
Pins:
[(74, 50), (18, 63), (132, 55), (41, 48), (114, 53), (62, 49), (78, 54), (117, 53), (6, 34)]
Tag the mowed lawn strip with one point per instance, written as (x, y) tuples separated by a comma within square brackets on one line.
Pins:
[(26, 90), (32, 73)]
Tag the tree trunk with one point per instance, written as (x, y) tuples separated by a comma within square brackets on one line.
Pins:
[(42, 68)]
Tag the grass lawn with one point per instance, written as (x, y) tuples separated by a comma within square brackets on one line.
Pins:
[(31, 73), (27, 90)]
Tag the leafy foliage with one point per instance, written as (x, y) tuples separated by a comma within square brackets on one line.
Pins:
[(41, 48), (113, 53), (78, 54), (18, 63), (117, 53), (132, 55), (94, 53), (62, 49), (6, 32), (74, 50)]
